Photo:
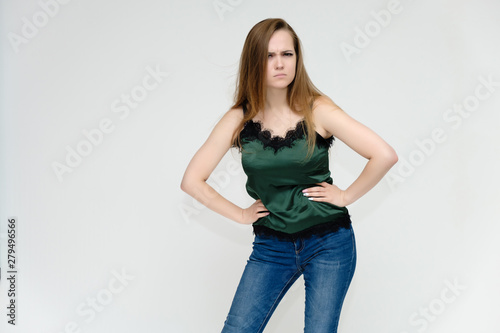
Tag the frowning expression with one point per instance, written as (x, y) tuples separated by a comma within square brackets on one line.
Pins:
[(281, 60)]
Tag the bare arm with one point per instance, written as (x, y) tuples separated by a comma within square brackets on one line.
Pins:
[(204, 162), (331, 119)]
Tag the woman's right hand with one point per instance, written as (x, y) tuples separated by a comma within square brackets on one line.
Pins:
[(254, 212)]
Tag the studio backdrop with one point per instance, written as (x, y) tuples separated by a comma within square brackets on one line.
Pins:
[(103, 104)]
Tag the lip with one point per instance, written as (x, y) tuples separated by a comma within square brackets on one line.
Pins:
[(280, 75)]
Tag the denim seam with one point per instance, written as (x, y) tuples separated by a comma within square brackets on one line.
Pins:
[(302, 246), (297, 252)]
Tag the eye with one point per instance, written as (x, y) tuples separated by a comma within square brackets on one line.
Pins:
[(269, 55), (288, 54)]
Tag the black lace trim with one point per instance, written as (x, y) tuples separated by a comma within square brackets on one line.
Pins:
[(317, 230), (253, 131)]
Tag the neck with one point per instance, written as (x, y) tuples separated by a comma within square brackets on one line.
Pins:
[(276, 102)]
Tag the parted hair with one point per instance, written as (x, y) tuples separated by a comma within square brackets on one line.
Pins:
[(250, 87)]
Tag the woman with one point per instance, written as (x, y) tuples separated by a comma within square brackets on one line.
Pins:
[(284, 126)]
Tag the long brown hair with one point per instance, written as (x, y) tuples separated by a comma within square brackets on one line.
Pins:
[(251, 90)]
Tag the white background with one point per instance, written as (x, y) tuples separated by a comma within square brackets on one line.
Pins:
[(427, 235)]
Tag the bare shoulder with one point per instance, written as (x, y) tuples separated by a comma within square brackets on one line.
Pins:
[(234, 115), (325, 111), (231, 119), (223, 131), (324, 104), (331, 119)]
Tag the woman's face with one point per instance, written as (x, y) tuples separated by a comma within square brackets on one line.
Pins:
[(281, 60)]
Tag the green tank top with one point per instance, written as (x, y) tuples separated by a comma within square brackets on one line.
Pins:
[(278, 171)]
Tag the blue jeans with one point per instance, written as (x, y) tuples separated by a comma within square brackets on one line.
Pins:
[(327, 263)]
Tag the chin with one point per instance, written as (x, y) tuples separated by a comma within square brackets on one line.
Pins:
[(281, 85)]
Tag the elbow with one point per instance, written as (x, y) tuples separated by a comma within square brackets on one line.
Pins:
[(190, 185), (391, 157), (386, 157), (186, 185), (183, 186)]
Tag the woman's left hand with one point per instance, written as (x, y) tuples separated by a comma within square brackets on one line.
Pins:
[(326, 192)]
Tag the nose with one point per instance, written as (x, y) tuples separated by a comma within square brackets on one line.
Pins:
[(279, 62)]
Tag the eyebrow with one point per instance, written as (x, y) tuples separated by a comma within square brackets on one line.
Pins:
[(281, 51)]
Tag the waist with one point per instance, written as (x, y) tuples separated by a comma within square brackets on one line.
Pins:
[(343, 221)]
